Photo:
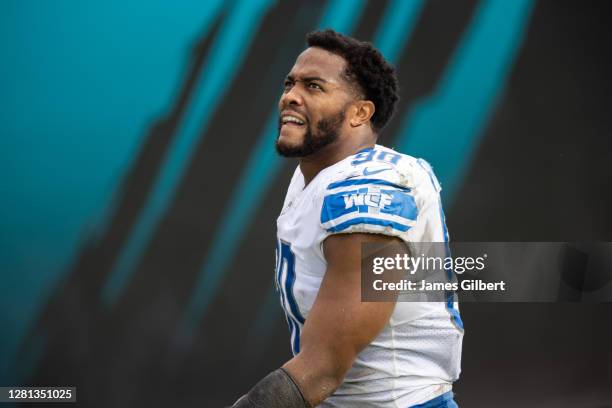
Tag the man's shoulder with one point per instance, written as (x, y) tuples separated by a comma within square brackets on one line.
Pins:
[(380, 165), (377, 190)]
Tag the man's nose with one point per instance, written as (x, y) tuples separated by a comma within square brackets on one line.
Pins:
[(292, 97)]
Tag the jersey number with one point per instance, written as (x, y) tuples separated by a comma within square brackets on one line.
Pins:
[(285, 278)]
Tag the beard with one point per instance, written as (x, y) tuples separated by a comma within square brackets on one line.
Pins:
[(327, 132)]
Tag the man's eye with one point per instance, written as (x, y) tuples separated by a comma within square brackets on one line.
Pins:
[(288, 84), (313, 85)]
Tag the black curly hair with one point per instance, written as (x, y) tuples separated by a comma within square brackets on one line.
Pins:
[(366, 68)]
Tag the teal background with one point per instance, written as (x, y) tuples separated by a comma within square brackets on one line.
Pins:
[(119, 240)]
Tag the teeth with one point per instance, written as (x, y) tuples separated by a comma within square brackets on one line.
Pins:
[(293, 119)]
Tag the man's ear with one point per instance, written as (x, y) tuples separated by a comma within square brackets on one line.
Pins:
[(362, 112)]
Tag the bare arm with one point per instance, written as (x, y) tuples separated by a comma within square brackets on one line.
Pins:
[(339, 325)]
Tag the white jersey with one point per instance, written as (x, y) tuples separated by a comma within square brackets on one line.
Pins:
[(416, 357)]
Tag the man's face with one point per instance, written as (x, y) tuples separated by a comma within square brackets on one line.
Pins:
[(312, 107)]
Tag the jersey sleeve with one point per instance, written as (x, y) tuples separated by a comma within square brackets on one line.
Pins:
[(381, 203)]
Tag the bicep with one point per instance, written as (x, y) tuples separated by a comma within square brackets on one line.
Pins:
[(339, 320)]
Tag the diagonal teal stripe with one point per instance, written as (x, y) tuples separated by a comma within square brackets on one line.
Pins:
[(67, 202), (223, 61), (255, 180), (341, 15), (445, 127), (396, 26)]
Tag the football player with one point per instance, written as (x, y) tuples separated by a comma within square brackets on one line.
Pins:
[(348, 190)]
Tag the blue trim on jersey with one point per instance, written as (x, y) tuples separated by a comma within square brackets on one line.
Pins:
[(369, 221), (450, 305), (296, 340), (295, 311), (441, 401), (292, 313), (371, 202), (358, 182), (287, 255), (365, 149), (279, 284), (404, 204), (450, 295), (292, 333)]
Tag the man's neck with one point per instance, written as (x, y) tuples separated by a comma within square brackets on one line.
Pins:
[(311, 166)]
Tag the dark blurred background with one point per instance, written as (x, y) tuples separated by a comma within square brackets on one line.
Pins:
[(141, 186)]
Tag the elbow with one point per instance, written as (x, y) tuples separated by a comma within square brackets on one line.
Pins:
[(319, 386), (328, 382), (329, 371), (317, 378)]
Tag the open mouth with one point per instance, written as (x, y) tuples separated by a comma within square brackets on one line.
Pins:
[(290, 120)]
